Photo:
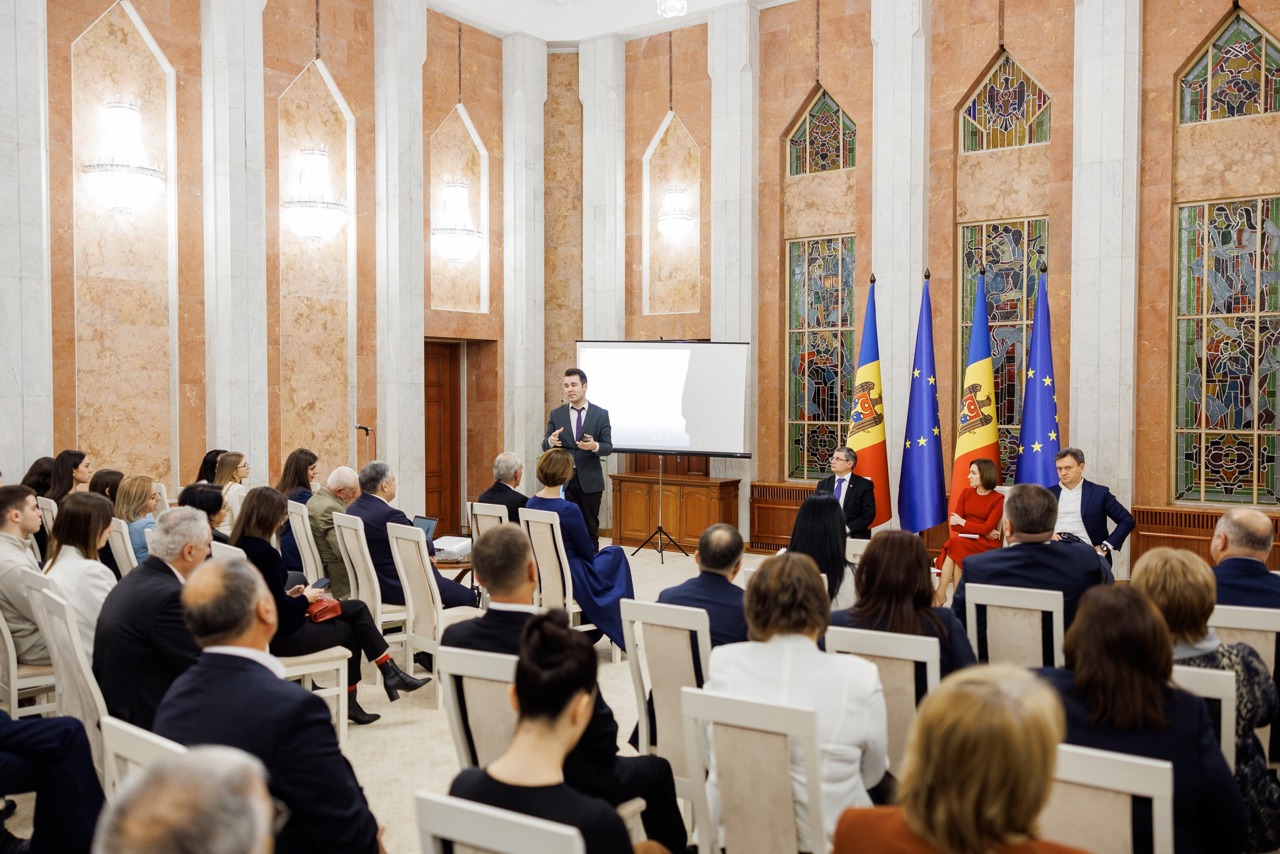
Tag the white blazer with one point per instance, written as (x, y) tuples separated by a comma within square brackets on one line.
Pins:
[(845, 691), (84, 583)]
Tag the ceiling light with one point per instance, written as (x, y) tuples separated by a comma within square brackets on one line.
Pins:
[(312, 211), (673, 8), (456, 238), (119, 178)]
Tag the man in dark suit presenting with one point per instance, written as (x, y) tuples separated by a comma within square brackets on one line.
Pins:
[(856, 494), (584, 431), (1084, 506)]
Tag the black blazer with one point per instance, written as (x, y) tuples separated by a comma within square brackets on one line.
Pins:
[(596, 423), (1097, 505), (226, 699), (505, 495), (858, 501), (141, 644), (377, 514), (719, 597), (292, 610), (1246, 582)]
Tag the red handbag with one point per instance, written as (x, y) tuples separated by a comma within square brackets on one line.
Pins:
[(324, 608)]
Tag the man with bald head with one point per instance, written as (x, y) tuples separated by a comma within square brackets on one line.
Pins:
[(342, 487), (1240, 547)]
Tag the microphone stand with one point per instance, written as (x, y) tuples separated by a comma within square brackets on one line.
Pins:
[(659, 532)]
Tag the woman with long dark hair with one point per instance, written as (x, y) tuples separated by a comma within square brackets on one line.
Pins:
[(37, 479), (79, 533), (296, 476), (72, 472), (209, 465), (819, 532)]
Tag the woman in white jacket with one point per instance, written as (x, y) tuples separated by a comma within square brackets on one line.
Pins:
[(81, 529)]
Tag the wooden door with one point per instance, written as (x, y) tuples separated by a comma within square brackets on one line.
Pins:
[(442, 392)]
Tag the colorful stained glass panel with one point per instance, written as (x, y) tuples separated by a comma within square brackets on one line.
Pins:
[(823, 140), (1008, 109), (1237, 75)]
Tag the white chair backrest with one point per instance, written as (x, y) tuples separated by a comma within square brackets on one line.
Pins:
[(1014, 619), (48, 512), (475, 688), (127, 748), (34, 549), (555, 582), (315, 487), (423, 607), (14, 686), (443, 819), (122, 547), (1257, 627), (300, 525), (163, 504), (853, 550), (147, 534), (744, 576), (1091, 804), (222, 551), (751, 751), (355, 554), (1217, 685), (670, 650), (895, 656), (482, 517)]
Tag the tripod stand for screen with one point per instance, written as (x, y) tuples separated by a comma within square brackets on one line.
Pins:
[(659, 532)]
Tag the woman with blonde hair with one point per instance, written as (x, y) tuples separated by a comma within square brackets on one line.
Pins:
[(232, 469), (977, 773), (136, 501)]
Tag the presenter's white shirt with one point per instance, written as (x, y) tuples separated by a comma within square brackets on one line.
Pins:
[(1069, 520)]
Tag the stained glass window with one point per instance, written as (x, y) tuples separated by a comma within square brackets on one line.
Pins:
[(1228, 352), (823, 140), (1012, 252), (820, 352), (1008, 109), (1237, 75)]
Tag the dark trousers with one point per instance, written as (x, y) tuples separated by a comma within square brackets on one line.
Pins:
[(453, 594), (354, 630), (589, 503), (51, 757), (628, 777)]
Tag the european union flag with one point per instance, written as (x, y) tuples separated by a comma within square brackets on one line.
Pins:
[(1038, 439), (922, 493)]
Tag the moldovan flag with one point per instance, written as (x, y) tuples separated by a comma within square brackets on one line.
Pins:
[(976, 434), (922, 495), (866, 424)]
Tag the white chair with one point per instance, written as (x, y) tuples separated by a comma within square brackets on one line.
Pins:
[(20, 681), (332, 664), (853, 550), (163, 504), (744, 576), (1259, 628), (121, 547), (300, 525), (222, 551), (896, 657), (1091, 804), (127, 748), (1217, 685), (1014, 618), (445, 821), (148, 534), (483, 517), (364, 583), (750, 743), (555, 581), (48, 512), (34, 549)]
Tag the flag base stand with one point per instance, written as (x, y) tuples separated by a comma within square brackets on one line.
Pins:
[(659, 532)]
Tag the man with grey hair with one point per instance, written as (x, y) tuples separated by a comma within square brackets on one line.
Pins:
[(1084, 506), (507, 472), (141, 644), (213, 800), (1240, 548), (342, 487)]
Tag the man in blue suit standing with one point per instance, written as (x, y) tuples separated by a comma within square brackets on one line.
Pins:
[(1240, 547), (584, 431), (1084, 506), (719, 559)]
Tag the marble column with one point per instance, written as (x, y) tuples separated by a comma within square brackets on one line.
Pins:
[(235, 227), (1104, 240), (524, 94), (899, 198), (400, 42), (26, 320), (733, 63), (602, 85)]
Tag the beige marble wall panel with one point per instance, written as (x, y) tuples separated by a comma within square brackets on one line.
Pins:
[(562, 219), (816, 205), (1006, 183), (455, 286), (675, 269), (1235, 157), (122, 354), (313, 402)]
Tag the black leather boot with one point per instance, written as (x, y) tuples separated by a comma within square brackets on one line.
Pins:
[(396, 680), (357, 715)]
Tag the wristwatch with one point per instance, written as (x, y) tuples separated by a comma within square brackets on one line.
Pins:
[(1106, 548)]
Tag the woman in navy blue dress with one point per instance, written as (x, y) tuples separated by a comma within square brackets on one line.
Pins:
[(601, 579)]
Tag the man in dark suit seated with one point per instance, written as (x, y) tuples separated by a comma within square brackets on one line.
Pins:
[(507, 472), (141, 644), (51, 757), (502, 560), (1240, 547), (1033, 558), (1084, 506), (377, 490), (857, 495), (719, 559), (236, 696)]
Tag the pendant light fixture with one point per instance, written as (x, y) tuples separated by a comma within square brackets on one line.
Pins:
[(673, 8), (119, 178), (675, 215), (455, 236)]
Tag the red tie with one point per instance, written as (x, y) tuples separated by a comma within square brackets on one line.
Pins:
[(577, 430)]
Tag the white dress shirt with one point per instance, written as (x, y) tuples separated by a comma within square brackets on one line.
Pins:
[(84, 583), (261, 656), (1069, 519)]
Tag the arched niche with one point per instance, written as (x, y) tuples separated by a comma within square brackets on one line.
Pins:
[(671, 241), (459, 202)]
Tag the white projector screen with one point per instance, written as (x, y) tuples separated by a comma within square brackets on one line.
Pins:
[(675, 397)]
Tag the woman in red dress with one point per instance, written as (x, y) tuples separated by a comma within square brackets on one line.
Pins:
[(974, 525)]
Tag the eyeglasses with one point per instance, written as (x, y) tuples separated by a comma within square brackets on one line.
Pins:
[(242, 466)]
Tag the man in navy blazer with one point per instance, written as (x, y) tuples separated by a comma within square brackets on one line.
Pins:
[(857, 495), (719, 559), (1032, 558), (373, 507), (1084, 506), (584, 431), (507, 472), (51, 757), (236, 696), (1240, 547)]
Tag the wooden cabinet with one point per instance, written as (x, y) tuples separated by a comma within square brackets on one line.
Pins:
[(690, 505)]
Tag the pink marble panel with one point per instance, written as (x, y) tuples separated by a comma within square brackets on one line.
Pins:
[(675, 254), (823, 203), (562, 177), (1006, 183)]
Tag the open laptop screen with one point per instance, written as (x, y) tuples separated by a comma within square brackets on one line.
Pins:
[(427, 524)]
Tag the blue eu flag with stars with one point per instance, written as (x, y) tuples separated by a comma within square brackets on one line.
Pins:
[(922, 493), (1038, 437)]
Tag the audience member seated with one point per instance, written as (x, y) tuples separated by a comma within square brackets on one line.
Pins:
[(975, 525), (79, 534), (977, 773), (1182, 586), (502, 560), (787, 608), (601, 579), (508, 471), (236, 696), (51, 757), (819, 532), (209, 466), (295, 484), (106, 482), (19, 519), (1240, 547), (554, 692), (298, 634), (37, 479), (232, 469), (72, 472), (141, 643), (211, 800), (719, 559), (1117, 696), (895, 594), (855, 495), (136, 502), (342, 487), (377, 490), (208, 499)]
